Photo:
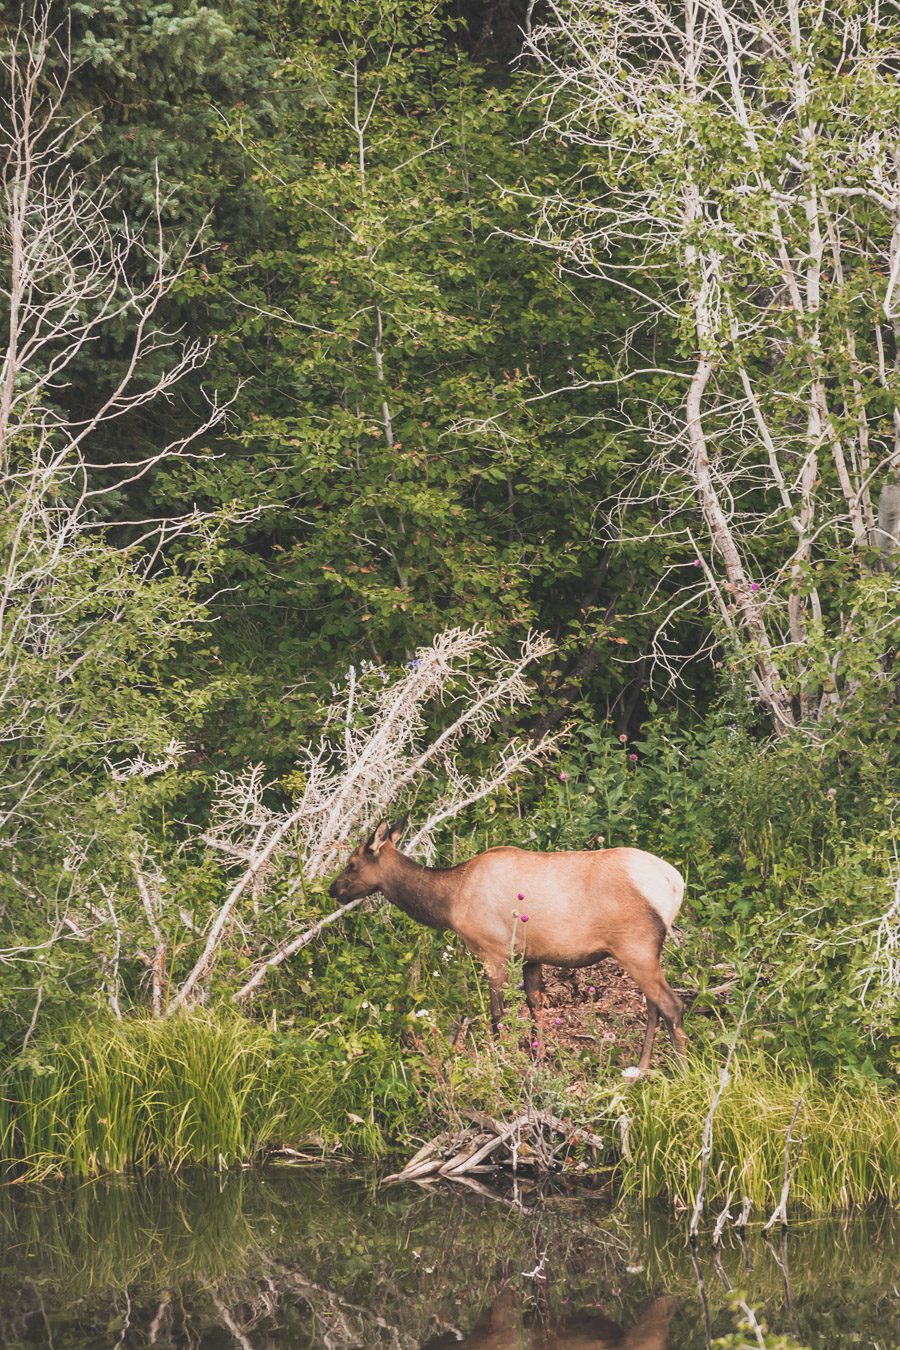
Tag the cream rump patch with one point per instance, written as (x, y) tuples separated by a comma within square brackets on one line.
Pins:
[(660, 884)]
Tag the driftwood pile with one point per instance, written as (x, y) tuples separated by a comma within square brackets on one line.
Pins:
[(536, 1140)]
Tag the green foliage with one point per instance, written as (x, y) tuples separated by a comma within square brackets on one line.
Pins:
[(850, 1133), (396, 422), (846, 1155), (748, 1325), (785, 881), (706, 170)]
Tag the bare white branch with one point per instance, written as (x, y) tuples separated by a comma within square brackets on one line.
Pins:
[(74, 272)]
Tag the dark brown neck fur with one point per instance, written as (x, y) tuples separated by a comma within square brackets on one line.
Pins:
[(424, 893)]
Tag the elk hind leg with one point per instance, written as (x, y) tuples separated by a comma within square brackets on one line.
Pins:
[(644, 969), (671, 1009), (649, 1036)]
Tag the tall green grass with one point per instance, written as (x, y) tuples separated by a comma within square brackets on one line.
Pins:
[(845, 1151), (142, 1092), (204, 1088)]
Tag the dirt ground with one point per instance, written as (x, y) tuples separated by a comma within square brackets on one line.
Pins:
[(593, 1007), (599, 1009)]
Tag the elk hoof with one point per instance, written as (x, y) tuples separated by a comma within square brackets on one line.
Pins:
[(633, 1073)]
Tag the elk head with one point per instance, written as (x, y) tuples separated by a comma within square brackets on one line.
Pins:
[(362, 875)]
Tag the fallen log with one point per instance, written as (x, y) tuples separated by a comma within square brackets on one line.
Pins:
[(460, 1160), (504, 1133), (575, 1132), (533, 1139)]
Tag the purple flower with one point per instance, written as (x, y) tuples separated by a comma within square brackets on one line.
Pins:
[(535, 1045), (558, 1021), (520, 896), (754, 586), (697, 562), (524, 918), (633, 758), (564, 777), (592, 989)]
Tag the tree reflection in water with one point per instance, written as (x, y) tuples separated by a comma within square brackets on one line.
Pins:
[(283, 1259)]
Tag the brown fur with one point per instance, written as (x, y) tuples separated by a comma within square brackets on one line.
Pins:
[(575, 908)]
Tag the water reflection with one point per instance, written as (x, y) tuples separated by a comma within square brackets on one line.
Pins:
[(286, 1258), (502, 1326)]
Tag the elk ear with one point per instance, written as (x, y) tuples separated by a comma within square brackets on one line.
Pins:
[(379, 838), (398, 829)]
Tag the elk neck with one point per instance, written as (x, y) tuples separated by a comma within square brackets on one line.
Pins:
[(424, 893)]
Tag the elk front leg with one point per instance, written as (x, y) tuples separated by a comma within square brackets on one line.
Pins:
[(534, 995), (495, 986)]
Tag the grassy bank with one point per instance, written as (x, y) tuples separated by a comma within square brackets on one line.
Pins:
[(114, 1096)]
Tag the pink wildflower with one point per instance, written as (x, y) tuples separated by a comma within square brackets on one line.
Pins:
[(633, 758), (623, 738), (520, 896), (564, 777), (524, 918)]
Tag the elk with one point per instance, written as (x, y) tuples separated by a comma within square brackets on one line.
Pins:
[(556, 909)]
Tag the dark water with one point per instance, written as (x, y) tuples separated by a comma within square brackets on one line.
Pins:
[(301, 1258)]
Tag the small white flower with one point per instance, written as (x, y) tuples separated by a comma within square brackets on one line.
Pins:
[(423, 1012)]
